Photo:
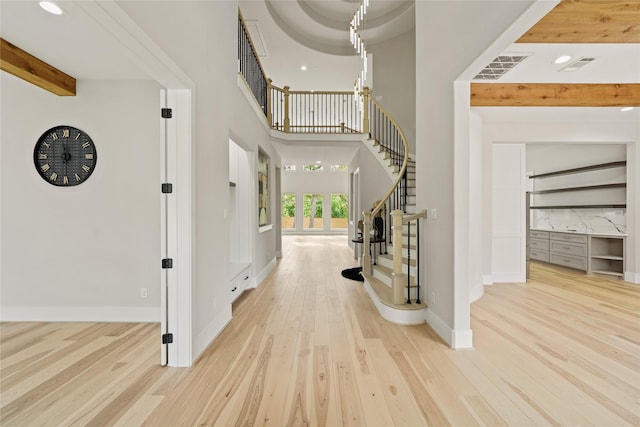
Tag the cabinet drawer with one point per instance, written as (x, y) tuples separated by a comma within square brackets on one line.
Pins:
[(540, 244), (567, 237), (569, 261), (577, 249), (539, 255), (539, 234)]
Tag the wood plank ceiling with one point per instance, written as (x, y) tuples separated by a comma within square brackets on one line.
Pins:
[(572, 21)]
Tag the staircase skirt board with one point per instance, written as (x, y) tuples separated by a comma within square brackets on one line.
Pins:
[(406, 314)]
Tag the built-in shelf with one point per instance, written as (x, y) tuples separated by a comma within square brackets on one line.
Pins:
[(615, 206), (593, 253), (584, 188), (606, 255), (581, 169)]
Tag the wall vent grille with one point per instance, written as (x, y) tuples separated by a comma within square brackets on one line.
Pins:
[(499, 67)]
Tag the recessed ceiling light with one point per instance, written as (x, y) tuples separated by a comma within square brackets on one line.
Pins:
[(626, 109), (318, 161), (51, 7), (562, 59), (303, 68)]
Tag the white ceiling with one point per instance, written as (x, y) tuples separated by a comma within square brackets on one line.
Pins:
[(71, 42), (76, 44)]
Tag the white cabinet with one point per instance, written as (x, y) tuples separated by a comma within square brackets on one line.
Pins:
[(240, 280)]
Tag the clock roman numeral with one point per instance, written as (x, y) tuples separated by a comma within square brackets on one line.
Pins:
[(53, 177), (88, 156), (77, 136), (42, 156), (86, 145), (45, 167), (77, 177), (65, 180), (46, 144), (65, 133), (54, 136), (86, 168)]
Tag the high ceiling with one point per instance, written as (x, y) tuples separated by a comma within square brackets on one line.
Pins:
[(78, 45)]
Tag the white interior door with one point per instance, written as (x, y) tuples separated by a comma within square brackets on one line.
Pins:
[(509, 213)]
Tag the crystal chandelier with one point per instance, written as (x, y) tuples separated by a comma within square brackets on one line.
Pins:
[(356, 29)]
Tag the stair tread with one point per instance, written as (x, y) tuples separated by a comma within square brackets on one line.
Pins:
[(385, 295), (389, 273), (404, 259)]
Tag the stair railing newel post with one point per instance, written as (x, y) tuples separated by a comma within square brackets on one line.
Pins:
[(397, 276), (417, 271), (365, 111), (287, 120), (366, 244), (408, 301)]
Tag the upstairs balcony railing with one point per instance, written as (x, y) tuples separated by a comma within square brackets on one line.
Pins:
[(344, 112), (250, 67), (313, 111)]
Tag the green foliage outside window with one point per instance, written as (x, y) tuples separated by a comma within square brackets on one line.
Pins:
[(289, 205), (339, 206)]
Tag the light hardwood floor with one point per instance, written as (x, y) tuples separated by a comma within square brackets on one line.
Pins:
[(308, 348)]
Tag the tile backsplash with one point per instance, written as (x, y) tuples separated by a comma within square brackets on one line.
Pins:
[(612, 221)]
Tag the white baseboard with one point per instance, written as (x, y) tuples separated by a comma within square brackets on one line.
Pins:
[(476, 292), (509, 278), (80, 314), (264, 273), (456, 339), (440, 327), (462, 339), (211, 332), (487, 279), (632, 277)]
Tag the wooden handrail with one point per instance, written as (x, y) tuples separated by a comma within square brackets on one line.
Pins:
[(403, 168), (253, 46), (413, 217)]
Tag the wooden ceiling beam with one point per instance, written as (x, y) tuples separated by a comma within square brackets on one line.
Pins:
[(588, 21), (554, 95), (27, 67)]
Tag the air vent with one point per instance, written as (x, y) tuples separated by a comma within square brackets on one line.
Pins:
[(499, 67), (577, 64)]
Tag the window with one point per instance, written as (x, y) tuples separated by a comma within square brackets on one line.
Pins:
[(289, 168), (339, 211), (312, 168), (288, 211), (338, 168), (312, 207)]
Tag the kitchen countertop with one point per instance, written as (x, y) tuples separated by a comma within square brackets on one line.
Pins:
[(580, 232)]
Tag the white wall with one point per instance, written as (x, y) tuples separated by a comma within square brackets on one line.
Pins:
[(206, 51), (438, 65), (84, 252), (394, 70), (324, 182)]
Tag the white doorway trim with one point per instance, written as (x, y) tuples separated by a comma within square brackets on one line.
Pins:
[(461, 334), (162, 69)]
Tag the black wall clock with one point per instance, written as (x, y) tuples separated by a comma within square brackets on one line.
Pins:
[(65, 156)]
